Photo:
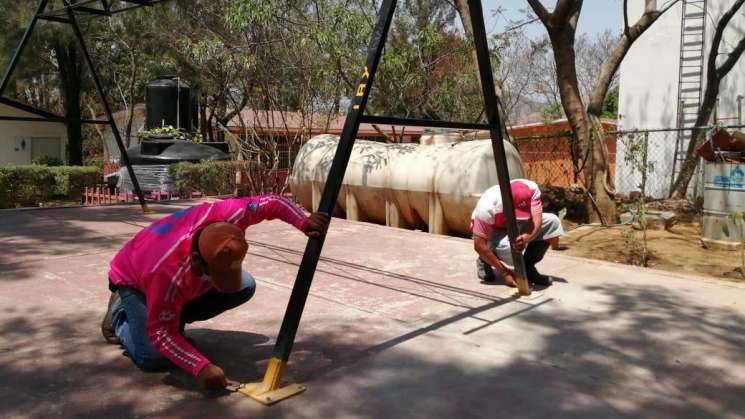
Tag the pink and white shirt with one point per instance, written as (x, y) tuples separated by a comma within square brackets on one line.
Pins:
[(157, 262), (489, 212)]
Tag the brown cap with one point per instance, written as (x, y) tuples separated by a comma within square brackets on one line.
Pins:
[(223, 246)]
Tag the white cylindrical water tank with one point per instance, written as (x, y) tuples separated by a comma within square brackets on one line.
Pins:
[(404, 185), (724, 194), (441, 138)]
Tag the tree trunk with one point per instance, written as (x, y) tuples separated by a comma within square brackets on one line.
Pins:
[(70, 85), (561, 25), (227, 117), (203, 122), (131, 94), (599, 177), (99, 131), (590, 147), (688, 168)]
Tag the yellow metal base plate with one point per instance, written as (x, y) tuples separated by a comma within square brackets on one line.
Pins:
[(534, 295), (258, 392), (515, 295)]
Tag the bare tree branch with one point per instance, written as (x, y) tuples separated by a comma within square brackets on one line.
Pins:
[(574, 16), (650, 6), (626, 17), (732, 59), (610, 68), (565, 9), (716, 42), (539, 10), (381, 132)]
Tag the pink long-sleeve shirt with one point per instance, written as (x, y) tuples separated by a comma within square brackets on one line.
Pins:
[(157, 262)]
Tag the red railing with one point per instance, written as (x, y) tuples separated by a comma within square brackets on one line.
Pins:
[(106, 195)]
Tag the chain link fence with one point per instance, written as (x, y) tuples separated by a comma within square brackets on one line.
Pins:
[(547, 159), (658, 152)]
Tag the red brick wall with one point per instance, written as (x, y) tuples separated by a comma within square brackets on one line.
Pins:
[(545, 150)]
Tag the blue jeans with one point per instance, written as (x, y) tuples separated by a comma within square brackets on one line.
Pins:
[(129, 316)]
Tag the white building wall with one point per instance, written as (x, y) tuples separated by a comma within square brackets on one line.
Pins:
[(16, 137), (649, 89)]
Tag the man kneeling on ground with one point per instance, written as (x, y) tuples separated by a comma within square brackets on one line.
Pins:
[(490, 240), (185, 268)]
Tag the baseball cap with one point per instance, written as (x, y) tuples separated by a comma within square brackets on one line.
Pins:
[(223, 246), (521, 197)]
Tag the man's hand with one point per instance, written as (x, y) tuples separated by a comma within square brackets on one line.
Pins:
[(509, 278), (521, 242), (212, 377), (482, 248), (317, 224)]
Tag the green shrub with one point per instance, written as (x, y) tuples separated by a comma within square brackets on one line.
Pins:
[(47, 161), (69, 181), (25, 185), (22, 186), (211, 178)]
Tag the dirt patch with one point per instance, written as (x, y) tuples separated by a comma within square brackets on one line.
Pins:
[(677, 250)]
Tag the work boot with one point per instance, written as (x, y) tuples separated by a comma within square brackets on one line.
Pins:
[(533, 254), (536, 278), (107, 326), (485, 271)]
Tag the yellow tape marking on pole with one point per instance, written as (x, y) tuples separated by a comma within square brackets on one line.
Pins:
[(270, 390)]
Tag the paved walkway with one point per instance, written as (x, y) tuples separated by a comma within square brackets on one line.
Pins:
[(397, 326)]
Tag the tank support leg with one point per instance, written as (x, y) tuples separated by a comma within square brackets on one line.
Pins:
[(437, 224), (393, 217), (353, 210)]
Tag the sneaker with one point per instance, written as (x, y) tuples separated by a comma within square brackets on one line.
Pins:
[(534, 277), (107, 327), (485, 271)]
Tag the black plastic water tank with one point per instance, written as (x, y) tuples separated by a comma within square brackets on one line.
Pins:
[(174, 152), (169, 102)]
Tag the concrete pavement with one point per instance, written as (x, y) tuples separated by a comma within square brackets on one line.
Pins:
[(397, 326)]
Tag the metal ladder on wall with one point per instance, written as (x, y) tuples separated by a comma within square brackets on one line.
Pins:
[(690, 75)]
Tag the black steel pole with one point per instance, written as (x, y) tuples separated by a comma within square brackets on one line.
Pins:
[(22, 45), (307, 269), (495, 124), (104, 100)]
